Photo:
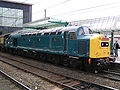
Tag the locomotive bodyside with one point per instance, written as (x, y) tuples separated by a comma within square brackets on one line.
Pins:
[(63, 42), (69, 43)]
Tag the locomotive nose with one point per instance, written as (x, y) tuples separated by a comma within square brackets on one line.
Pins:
[(99, 47)]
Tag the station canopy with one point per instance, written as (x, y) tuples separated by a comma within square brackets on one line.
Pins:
[(46, 23)]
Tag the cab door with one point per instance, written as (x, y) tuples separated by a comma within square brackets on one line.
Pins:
[(72, 43)]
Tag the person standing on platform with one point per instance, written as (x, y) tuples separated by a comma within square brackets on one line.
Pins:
[(116, 47)]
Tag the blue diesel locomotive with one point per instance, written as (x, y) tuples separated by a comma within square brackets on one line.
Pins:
[(73, 46)]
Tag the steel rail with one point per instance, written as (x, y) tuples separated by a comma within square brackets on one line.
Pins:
[(106, 74), (19, 84)]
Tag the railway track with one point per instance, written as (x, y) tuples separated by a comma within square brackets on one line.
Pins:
[(111, 75), (9, 83), (68, 83)]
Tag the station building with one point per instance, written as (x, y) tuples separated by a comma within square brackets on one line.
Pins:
[(13, 15)]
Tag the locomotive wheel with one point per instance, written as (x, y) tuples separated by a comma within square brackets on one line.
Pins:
[(14, 52), (74, 63), (8, 50), (38, 56), (45, 57), (21, 53), (41, 57), (56, 60), (87, 68), (66, 62)]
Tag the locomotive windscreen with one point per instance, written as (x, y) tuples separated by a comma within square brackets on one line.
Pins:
[(87, 30), (84, 30), (104, 44)]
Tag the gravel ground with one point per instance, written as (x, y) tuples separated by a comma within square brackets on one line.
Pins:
[(84, 76), (30, 80)]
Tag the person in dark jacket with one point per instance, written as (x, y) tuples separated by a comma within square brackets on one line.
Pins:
[(116, 47)]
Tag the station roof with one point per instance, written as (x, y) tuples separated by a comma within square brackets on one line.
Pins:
[(44, 23), (9, 1)]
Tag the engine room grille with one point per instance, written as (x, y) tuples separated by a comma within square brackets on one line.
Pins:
[(82, 47)]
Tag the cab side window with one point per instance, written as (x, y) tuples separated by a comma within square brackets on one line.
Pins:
[(73, 36)]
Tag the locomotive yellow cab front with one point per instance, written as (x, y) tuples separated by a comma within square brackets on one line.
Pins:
[(99, 47)]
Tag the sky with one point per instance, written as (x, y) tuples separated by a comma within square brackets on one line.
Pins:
[(73, 10)]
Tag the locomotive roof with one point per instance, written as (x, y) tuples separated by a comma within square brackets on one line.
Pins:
[(34, 31)]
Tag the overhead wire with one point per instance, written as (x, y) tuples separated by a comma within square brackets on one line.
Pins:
[(85, 9), (63, 2), (52, 6)]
